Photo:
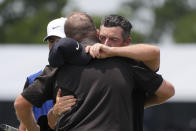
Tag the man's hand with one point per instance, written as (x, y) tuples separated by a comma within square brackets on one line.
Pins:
[(99, 51), (63, 104)]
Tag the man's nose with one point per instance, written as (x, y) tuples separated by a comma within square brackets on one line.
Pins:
[(107, 42)]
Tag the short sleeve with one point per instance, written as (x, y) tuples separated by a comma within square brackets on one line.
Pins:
[(146, 80), (26, 84), (31, 78), (42, 88)]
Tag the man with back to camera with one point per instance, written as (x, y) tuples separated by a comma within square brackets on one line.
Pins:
[(55, 31), (88, 114)]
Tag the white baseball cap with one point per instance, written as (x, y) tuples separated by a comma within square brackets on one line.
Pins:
[(56, 28)]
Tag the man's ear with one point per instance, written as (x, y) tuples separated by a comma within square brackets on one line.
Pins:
[(97, 33), (128, 41)]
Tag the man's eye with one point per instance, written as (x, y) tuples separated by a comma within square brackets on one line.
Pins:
[(113, 39), (102, 38), (51, 41)]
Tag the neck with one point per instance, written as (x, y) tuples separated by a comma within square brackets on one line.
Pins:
[(90, 41)]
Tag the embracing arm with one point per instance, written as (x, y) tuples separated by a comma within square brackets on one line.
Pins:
[(146, 53), (24, 113), (165, 91), (152, 86), (51, 118), (62, 104)]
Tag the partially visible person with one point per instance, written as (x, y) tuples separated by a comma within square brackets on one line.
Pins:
[(104, 88), (55, 31)]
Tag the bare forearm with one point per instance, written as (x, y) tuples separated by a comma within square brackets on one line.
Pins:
[(51, 119), (27, 118), (24, 113), (21, 127), (165, 92), (141, 52), (148, 54), (152, 101)]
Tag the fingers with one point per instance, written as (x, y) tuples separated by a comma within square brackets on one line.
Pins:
[(92, 52), (95, 50), (66, 99), (87, 49), (62, 107), (61, 110), (67, 105), (63, 104), (58, 95)]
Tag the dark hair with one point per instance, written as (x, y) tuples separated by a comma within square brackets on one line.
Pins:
[(116, 20), (79, 25)]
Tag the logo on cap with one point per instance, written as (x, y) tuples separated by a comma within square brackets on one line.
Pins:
[(55, 27), (77, 48)]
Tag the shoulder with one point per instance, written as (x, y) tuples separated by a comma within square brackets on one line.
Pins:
[(32, 77)]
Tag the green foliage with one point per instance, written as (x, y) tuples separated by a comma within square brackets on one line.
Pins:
[(167, 16), (185, 31), (25, 21), (97, 21), (28, 24), (137, 38), (174, 15)]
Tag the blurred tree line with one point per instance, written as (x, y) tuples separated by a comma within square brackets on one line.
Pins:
[(25, 21), (175, 17)]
